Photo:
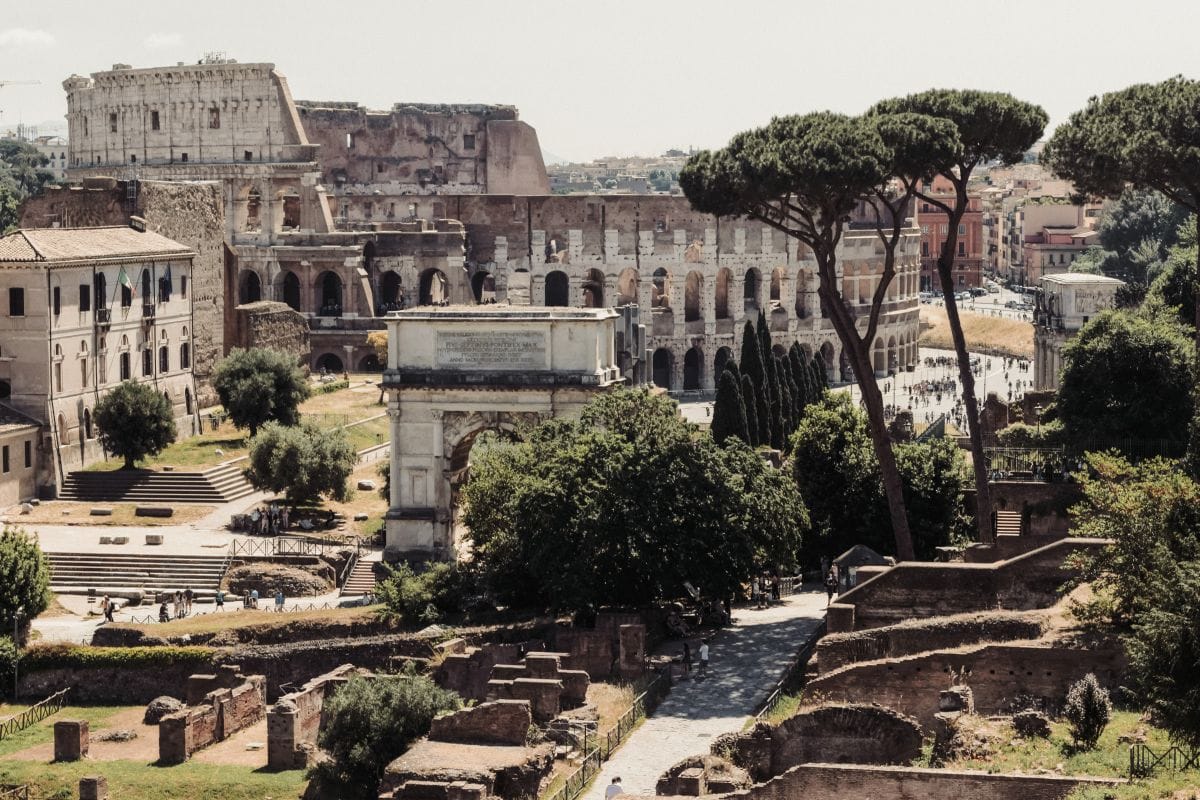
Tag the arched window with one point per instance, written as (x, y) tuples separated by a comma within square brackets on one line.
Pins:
[(185, 356), (164, 359), (83, 365), (125, 365), (147, 362), (87, 424)]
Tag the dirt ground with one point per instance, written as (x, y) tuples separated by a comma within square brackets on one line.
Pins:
[(62, 512)]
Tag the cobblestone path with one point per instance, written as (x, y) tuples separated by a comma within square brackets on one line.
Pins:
[(745, 662)]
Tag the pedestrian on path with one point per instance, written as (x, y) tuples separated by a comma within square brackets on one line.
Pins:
[(279, 601), (613, 789), (831, 586), (187, 600), (703, 671), (254, 598), (220, 600), (106, 606)]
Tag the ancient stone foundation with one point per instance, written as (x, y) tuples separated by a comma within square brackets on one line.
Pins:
[(295, 720), (499, 722), (93, 787), (212, 717), (70, 739)]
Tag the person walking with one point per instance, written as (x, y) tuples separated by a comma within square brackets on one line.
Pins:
[(686, 661), (831, 586), (254, 598), (703, 671), (220, 600), (187, 600), (106, 607), (279, 601)]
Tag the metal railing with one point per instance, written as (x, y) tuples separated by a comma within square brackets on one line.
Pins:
[(264, 604), (605, 743), (789, 678), (286, 546), (1143, 761), (790, 586), (33, 715)]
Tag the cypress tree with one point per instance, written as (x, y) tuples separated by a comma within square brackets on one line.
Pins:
[(771, 387), (777, 421), (751, 407), (753, 365), (802, 377), (794, 395), (785, 393), (729, 411), (819, 370)]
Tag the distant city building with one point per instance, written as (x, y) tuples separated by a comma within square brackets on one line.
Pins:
[(54, 148), (935, 228), (1065, 303), (1047, 237)]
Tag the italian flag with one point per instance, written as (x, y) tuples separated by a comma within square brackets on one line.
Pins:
[(123, 280)]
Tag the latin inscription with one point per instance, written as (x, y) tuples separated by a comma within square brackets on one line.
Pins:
[(492, 349)]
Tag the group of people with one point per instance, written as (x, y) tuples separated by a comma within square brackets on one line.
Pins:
[(180, 605), (269, 520), (763, 589), (686, 659)]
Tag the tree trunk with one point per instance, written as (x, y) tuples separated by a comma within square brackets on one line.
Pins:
[(945, 265), (864, 375)]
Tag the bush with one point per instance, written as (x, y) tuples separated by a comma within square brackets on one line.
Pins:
[(305, 462), (424, 597), (70, 656), (8, 659), (1087, 711), (369, 723), (24, 578), (332, 386), (269, 578), (134, 421)]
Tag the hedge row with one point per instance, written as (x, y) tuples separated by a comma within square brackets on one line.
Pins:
[(68, 656), (333, 386)]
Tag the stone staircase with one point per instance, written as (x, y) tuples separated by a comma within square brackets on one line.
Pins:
[(361, 580), (213, 486), (1008, 523), (74, 573)]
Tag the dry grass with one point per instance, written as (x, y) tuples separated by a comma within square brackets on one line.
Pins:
[(236, 618), (62, 512), (984, 334)]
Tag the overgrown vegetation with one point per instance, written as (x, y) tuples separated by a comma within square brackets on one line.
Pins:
[(1087, 711), (68, 656), (425, 597)]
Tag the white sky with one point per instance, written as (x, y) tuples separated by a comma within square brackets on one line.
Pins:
[(621, 77)]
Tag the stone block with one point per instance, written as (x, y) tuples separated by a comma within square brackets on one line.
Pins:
[(504, 722), (101, 512), (957, 698), (575, 686), (70, 739), (154, 538), (691, 782), (508, 672), (632, 651), (543, 696), (541, 665), (839, 618), (153, 511), (174, 738), (93, 787), (198, 686)]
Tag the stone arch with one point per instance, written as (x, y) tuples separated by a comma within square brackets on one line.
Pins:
[(693, 368), (593, 289), (879, 357), (390, 290), (660, 289), (719, 361), (663, 364), (750, 288), (721, 304), (483, 286), (828, 355), (558, 289), (693, 288), (370, 363), (329, 362), (249, 287), (893, 352), (434, 289), (87, 424), (803, 292), (627, 287), (289, 289), (328, 288), (777, 276)]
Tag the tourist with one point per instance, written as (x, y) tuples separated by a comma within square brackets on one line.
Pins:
[(279, 601), (254, 598), (163, 616), (174, 606), (245, 599), (220, 600), (831, 586), (686, 660), (703, 659), (613, 789), (106, 606), (179, 609), (187, 600)]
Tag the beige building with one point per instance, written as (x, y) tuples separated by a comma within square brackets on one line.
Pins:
[(83, 309), (1065, 303)]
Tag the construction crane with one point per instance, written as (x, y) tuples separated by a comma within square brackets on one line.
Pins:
[(17, 83)]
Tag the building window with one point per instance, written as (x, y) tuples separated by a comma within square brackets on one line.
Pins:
[(146, 294), (83, 371), (124, 366), (56, 300), (247, 155), (183, 285), (58, 355), (379, 168), (214, 118), (185, 356), (164, 289), (112, 123), (183, 157), (147, 362), (85, 126), (101, 290), (468, 141), (925, 249), (962, 230), (28, 454), (126, 294), (925, 229), (132, 158), (164, 359), (85, 297), (4, 457), (945, 228), (962, 248), (153, 120)]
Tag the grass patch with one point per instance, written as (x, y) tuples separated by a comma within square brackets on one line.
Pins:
[(62, 512), (187, 781), (237, 618), (43, 731), (984, 334)]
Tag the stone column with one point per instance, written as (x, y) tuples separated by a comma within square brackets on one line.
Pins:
[(441, 489), (394, 477)]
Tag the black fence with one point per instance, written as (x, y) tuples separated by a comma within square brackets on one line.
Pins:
[(1143, 761)]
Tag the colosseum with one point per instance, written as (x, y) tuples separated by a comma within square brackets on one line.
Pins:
[(345, 213)]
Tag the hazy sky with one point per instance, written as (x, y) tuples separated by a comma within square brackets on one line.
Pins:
[(619, 77)]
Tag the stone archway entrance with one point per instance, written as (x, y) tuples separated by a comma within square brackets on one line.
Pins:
[(466, 370)]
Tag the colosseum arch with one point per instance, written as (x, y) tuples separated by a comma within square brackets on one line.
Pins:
[(249, 287), (879, 357), (593, 289), (328, 288), (557, 289), (719, 361), (627, 287), (750, 291), (287, 289), (693, 290), (390, 289), (803, 293), (483, 286), (721, 306), (433, 289), (693, 368), (660, 289), (663, 365)]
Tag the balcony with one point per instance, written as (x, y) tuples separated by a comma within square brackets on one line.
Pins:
[(104, 316), (148, 312)]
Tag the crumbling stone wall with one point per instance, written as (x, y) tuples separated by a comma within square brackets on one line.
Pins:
[(999, 675), (917, 636), (856, 734), (272, 325), (857, 782), (503, 722), (294, 722), (614, 647), (222, 713), (917, 590)]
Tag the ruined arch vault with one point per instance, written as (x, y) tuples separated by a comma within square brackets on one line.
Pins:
[(456, 371)]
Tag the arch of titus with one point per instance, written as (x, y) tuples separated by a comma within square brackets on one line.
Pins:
[(456, 371)]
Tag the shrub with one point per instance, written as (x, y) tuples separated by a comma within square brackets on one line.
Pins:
[(269, 578), (70, 656), (425, 596), (24, 578), (1087, 711), (332, 386), (369, 723), (8, 659)]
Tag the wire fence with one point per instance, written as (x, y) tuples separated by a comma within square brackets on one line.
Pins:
[(602, 746), (287, 546), (33, 715)]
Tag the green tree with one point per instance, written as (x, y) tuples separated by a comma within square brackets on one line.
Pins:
[(368, 723), (729, 411), (624, 505), (750, 399), (22, 174), (1164, 653), (24, 578), (424, 597), (819, 371), (990, 127), (1087, 711), (1173, 286), (134, 421), (1127, 376), (304, 461), (260, 385), (802, 378), (753, 364)]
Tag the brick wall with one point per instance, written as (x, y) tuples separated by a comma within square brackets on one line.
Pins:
[(295, 720), (272, 325), (846, 782), (223, 713), (998, 674)]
